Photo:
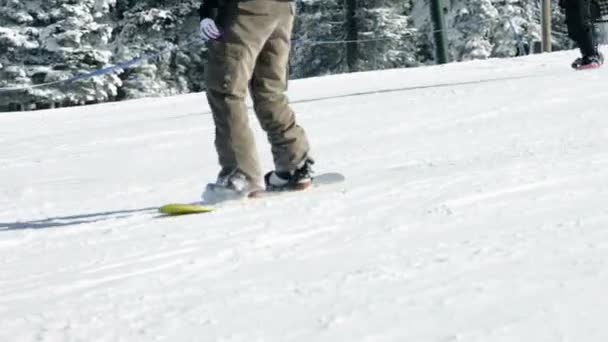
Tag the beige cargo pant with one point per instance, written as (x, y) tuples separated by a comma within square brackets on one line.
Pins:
[(253, 54)]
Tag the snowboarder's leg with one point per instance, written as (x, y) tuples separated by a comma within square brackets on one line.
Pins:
[(268, 85), (246, 27), (580, 17)]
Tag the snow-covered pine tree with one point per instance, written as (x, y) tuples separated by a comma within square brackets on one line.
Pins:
[(384, 34), (526, 18), (147, 27), (52, 40), (559, 30), (388, 38), (318, 24), (46, 41), (514, 29), (471, 24)]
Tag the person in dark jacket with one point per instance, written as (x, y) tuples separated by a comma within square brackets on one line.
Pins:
[(580, 19), (249, 43)]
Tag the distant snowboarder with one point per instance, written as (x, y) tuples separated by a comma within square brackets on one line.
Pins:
[(581, 16), (249, 45)]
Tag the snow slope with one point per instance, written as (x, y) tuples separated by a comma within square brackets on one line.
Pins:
[(474, 210)]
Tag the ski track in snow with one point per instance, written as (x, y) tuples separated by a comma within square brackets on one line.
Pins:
[(473, 210)]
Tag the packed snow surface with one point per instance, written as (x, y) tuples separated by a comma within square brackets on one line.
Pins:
[(474, 209)]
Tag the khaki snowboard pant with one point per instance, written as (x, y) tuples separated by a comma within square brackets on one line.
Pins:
[(253, 54)]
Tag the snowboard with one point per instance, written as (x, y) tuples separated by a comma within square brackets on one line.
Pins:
[(178, 209), (588, 67)]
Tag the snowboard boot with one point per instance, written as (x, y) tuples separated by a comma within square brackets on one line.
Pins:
[(298, 179), (231, 186), (588, 62)]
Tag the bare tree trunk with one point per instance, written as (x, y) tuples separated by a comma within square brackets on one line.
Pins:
[(352, 49), (546, 25)]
